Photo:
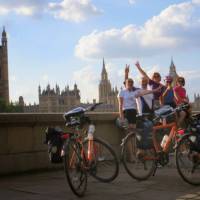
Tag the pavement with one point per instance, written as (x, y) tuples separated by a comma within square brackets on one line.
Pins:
[(165, 185)]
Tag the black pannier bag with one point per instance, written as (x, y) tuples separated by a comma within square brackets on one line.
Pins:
[(144, 134), (55, 144), (195, 139)]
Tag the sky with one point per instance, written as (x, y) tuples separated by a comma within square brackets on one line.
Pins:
[(64, 41)]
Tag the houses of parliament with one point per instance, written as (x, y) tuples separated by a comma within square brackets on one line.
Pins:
[(53, 99), (56, 100)]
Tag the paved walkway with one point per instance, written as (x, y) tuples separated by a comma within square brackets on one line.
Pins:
[(166, 185)]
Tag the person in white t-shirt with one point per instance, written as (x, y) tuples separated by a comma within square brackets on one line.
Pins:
[(127, 101), (145, 103)]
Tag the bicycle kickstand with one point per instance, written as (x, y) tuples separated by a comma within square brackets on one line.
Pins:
[(155, 169)]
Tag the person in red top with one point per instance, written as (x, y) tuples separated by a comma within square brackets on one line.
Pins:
[(180, 98)]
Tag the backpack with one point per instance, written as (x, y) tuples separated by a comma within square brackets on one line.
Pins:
[(145, 106), (55, 144), (144, 134), (195, 140)]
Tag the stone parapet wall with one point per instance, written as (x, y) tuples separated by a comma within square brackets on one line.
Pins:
[(22, 136)]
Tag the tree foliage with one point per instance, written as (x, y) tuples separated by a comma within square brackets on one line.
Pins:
[(9, 108)]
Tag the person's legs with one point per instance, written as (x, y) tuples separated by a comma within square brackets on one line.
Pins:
[(181, 118), (130, 115)]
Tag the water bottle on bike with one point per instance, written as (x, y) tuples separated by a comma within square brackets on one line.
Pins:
[(91, 130)]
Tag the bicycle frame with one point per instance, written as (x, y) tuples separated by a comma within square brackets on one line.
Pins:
[(86, 155), (172, 134)]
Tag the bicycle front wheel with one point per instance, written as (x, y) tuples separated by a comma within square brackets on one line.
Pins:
[(139, 163), (104, 165), (74, 168), (188, 159)]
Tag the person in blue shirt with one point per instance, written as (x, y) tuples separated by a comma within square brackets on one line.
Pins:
[(168, 94)]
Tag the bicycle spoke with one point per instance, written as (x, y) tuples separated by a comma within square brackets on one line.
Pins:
[(139, 163), (75, 173), (104, 165)]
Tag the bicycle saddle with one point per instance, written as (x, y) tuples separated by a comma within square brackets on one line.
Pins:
[(74, 112)]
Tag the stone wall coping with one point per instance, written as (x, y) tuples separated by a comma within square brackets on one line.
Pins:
[(49, 118)]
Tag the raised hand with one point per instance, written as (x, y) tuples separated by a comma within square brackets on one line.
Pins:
[(126, 71), (137, 64)]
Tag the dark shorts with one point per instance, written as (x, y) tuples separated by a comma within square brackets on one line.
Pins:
[(130, 115)]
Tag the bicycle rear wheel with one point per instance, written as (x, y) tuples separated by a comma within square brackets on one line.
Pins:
[(140, 164), (74, 168), (188, 160), (104, 165)]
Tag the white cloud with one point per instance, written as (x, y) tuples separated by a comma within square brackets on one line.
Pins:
[(22, 7), (45, 78), (73, 10), (196, 1), (190, 74), (131, 2), (87, 80), (176, 27), (69, 10)]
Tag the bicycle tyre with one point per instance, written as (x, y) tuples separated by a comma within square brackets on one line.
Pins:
[(72, 149), (184, 149), (132, 165), (108, 158)]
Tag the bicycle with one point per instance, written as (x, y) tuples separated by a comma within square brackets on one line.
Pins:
[(86, 155), (147, 159), (188, 152)]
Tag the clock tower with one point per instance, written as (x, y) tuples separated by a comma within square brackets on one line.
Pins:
[(4, 82)]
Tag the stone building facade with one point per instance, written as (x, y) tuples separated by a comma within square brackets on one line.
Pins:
[(55, 100), (107, 94), (196, 103), (4, 80), (173, 73)]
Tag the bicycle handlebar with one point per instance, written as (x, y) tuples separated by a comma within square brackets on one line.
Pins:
[(92, 107)]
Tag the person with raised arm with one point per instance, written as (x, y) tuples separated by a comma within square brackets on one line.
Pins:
[(154, 82), (127, 101), (167, 97), (144, 103)]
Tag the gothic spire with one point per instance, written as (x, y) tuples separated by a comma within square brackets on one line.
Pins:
[(104, 75), (4, 32), (172, 66)]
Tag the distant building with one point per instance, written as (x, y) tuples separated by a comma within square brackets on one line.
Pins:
[(173, 73), (4, 80), (196, 103), (54, 100), (107, 94)]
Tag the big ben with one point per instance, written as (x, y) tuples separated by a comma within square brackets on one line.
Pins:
[(4, 81)]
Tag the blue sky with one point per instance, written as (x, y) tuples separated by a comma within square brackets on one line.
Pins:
[(64, 41)]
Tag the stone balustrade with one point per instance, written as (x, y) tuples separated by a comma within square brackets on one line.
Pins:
[(22, 136)]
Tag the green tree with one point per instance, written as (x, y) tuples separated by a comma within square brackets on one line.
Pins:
[(8, 108)]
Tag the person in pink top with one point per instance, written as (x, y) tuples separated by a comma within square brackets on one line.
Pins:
[(181, 98)]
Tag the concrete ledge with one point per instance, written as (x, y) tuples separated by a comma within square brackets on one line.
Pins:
[(22, 136)]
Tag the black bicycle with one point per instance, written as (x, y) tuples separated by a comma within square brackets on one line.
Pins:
[(188, 152)]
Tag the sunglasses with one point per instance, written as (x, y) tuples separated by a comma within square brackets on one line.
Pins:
[(180, 81), (156, 76)]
